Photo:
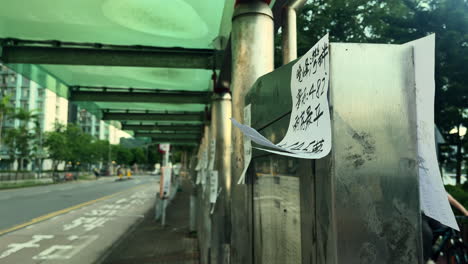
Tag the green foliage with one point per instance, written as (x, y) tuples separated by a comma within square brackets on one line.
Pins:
[(139, 156), (56, 144), (121, 155), (460, 193), (154, 156), (22, 141), (396, 21), (71, 144)]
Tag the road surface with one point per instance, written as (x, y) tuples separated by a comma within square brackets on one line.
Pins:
[(71, 222)]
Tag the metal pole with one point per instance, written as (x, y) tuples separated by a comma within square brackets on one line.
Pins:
[(252, 54), (165, 196), (204, 224), (221, 218), (289, 30)]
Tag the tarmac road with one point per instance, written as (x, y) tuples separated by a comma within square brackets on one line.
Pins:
[(71, 222)]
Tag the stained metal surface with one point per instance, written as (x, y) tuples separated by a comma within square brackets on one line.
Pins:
[(276, 203), (277, 225), (360, 204), (221, 217), (203, 206), (252, 56), (375, 155)]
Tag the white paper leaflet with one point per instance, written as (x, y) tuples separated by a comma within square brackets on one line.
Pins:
[(166, 182), (309, 132), (434, 199), (213, 186), (212, 154), (247, 144), (198, 180)]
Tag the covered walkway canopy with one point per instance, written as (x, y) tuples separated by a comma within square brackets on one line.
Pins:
[(147, 63)]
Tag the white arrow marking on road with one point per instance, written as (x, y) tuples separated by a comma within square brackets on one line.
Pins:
[(55, 252), (15, 247), (66, 251), (121, 201)]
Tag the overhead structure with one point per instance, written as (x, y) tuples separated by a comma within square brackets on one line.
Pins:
[(177, 142), (68, 53), (163, 127), (168, 136), (161, 116), (166, 52), (132, 95)]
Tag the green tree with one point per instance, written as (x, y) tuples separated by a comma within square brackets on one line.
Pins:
[(139, 156), (397, 21), (56, 144), (101, 150), (6, 109), (121, 155), (20, 140)]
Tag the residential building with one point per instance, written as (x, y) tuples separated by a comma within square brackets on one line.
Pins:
[(51, 109)]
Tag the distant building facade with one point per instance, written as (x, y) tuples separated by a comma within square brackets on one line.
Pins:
[(51, 109)]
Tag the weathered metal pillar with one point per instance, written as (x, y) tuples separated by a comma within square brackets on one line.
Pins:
[(221, 130), (165, 163), (252, 52), (289, 30), (203, 208)]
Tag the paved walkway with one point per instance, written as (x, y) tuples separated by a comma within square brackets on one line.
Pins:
[(151, 243)]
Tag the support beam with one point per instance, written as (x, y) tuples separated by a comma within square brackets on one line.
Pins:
[(179, 116), (167, 136), (154, 57), (142, 97), (289, 31), (183, 127), (252, 56), (181, 142)]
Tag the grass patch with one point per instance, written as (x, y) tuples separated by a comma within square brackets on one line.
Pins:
[(23, 184)]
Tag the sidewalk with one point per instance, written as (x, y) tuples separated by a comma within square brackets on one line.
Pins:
[(151, 243)]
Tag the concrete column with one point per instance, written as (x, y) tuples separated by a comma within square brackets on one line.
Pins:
[(221, 130), (252, 54)]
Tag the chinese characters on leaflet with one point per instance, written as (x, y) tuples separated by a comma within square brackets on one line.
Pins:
[(307, 104), (309, 131)]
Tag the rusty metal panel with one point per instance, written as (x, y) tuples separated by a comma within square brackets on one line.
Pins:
[(276, 219), (374, 157), (360, 204)]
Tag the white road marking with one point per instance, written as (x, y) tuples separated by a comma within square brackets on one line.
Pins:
[(101, 213), (66, 251), (55, 252), (15, 247), (121, 201), (89, 223)]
